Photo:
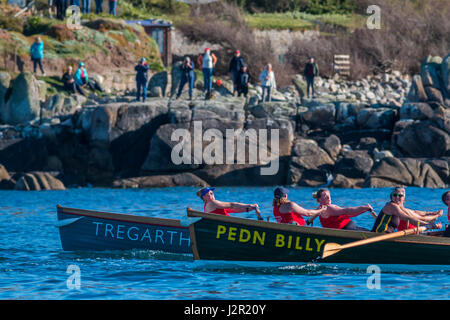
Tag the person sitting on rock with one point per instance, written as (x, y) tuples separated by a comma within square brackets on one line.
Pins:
[(141, 79), (211, 205), (69, 82), (243, 83), (289, 212), (187, 76), (394, 211), (82, 79), (336, 217)]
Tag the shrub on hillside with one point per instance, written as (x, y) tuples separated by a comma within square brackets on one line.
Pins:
[(408, 34)]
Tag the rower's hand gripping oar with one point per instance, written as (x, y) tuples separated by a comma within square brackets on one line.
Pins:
[(333, 248)]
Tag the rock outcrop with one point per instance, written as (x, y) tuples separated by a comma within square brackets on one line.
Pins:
[(340, 139)]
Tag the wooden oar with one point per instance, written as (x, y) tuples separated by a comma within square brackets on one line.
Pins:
[(333, 248)]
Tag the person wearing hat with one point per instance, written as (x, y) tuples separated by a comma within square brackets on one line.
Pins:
[(311, 71), (236, 65), (81, 77), (289, 212), (394, 212), (207, 62), (211, 205), (141, 79)]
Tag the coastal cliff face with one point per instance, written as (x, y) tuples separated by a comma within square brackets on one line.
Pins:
[(377, 132)]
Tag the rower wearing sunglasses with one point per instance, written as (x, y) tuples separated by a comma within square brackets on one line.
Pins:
[(394, 212)]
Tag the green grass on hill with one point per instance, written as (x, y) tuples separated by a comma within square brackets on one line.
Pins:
[(303, 21)]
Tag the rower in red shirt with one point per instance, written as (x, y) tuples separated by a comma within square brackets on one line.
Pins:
[(289, 212), (336, 217), (211, 205)]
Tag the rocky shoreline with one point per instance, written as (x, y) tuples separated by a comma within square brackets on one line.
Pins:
[(382, 131)]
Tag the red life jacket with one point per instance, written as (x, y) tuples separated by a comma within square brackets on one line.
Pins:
[(288, 217), (402, 226), (224, 212), (335, 222)]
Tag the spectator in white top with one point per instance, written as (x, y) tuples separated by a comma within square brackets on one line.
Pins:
[(267, 78)]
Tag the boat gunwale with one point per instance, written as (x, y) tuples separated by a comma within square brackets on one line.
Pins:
[(162, 222), (349, 234)]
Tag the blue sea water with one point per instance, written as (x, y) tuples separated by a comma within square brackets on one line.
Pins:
[(34, 266)]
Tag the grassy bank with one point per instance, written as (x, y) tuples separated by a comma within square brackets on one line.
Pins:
[(300, 21)]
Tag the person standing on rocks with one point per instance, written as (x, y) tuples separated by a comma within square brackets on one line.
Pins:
[(236, 65), (311, 71), (207, 62), (69, 82), (37, 54), (243, 82), (268, 83), (187, 75), (141, 79), (211, 205)]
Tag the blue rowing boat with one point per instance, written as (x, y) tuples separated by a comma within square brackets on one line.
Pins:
[(94, 230)]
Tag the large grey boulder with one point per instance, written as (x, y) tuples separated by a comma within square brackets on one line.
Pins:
[(391, 172), (416, 111), (309, 165), (37, 181), (376, 118), (354, 164), (175, 77), (24, 103), (322, 116), (423, 139), (158, 83), (445, 72)]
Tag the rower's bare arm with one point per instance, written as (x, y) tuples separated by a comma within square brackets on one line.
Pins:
[(351, 211), (305, 212), (406, 214)]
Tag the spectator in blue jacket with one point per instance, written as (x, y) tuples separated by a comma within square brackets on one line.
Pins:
[(236, 64), (81, 77), (141, 79), (37, 54), (187, 75)]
